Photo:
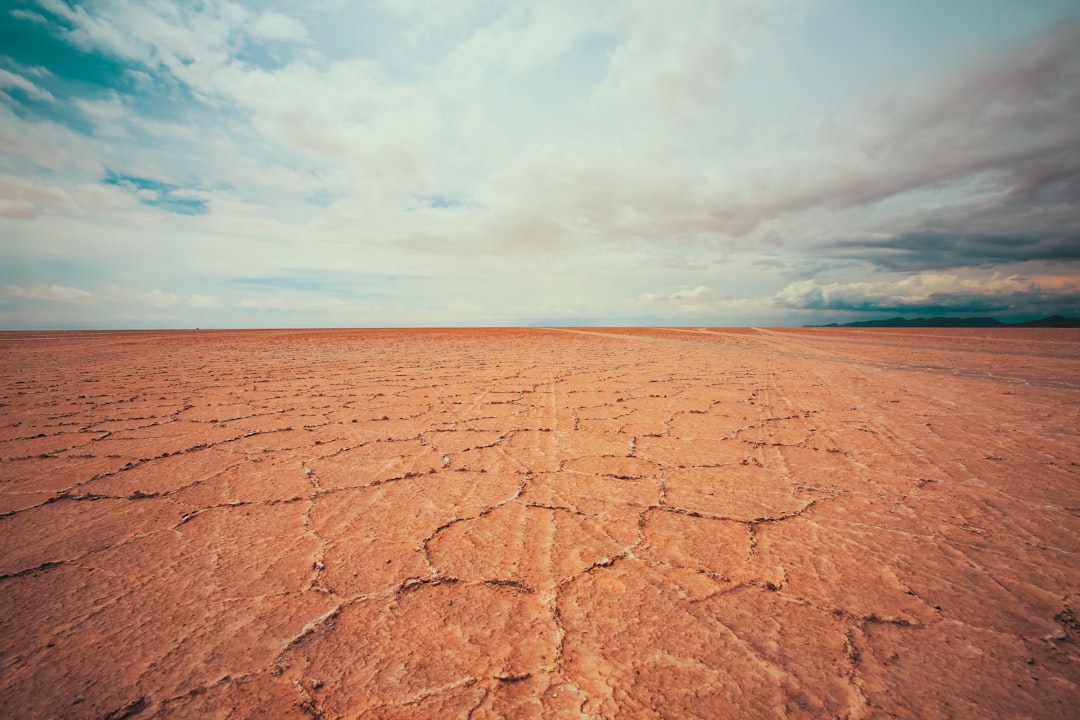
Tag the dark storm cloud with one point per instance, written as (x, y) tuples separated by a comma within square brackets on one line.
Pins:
[(1000, 140), (1036, 217), (1035, 302), (946, 250)]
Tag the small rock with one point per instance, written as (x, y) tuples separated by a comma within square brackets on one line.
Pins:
[(78, 699), (512, 677), (1056, 636), (604, 561)]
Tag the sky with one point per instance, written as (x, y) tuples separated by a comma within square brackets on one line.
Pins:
[(397, 163)]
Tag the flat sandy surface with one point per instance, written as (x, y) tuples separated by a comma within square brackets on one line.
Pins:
[(540, 523)]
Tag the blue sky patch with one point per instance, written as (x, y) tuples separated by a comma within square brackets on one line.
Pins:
[(155, 193)]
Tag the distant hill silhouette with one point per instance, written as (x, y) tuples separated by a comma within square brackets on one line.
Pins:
[(1054, 321)]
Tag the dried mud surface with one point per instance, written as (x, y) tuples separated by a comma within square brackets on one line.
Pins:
[(540, 523)]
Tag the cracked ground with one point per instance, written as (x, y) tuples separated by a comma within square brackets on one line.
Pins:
[(540, 523)]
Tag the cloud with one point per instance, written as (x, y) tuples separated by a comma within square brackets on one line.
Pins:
[(932, 293), (522, 38), (967, 119), (699, 301), (170, 131), (46, 144), (948, 250), (162, 299), (108, 115), (163, 34), (699, 295), (1008, 113), (17, 209), (384, 138), (29, 16), (54, 293), (275, 26), (674, 61), (11, 80), (195, 46), (24, 198), (995, 136)]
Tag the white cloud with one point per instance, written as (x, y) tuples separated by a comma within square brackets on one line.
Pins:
[(30, 16), (526, 36), (107, 201), (163, 299), (700, 301), (11, 80), (275, 26), (17, 209), (48, 145), (171, 131), (108, 115), (54, 293), (699, 295), (35, 197), (674, 60)]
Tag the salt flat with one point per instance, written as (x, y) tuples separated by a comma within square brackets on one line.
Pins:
[(613, 522)]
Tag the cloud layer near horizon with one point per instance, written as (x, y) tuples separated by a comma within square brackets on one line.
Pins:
[(387, 163)]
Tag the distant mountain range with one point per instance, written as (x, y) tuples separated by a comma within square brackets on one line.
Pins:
[(1054, 321)]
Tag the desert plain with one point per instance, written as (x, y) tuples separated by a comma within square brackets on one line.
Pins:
[(550, 523)]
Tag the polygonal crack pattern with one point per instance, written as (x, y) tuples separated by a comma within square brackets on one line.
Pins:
[(539, 523)]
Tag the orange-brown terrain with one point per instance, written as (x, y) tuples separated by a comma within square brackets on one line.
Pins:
[(540, 523)]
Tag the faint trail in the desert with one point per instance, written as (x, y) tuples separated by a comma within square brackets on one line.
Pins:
[(563, 522), (1001, 361)]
